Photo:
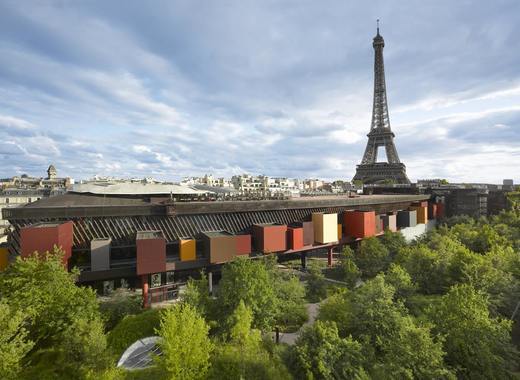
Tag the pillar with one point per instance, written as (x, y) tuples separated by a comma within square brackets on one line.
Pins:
[(210, 282), (303, 258), (144, 286), (329, 257)]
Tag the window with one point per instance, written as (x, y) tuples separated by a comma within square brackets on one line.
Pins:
[(170, 277), (155, 280)]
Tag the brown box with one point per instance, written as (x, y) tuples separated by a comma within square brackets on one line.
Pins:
[(219, 246), (151, 252), (243, 244), (42, 237)]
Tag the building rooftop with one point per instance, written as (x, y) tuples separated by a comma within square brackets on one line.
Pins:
[(149, 235), (135, 188)]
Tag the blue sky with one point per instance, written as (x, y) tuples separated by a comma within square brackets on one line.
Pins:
[(284, 88)]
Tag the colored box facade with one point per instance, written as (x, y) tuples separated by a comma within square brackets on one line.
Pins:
[(422, 214), (389, 222), (432, 211), (441, 209), (325, 227), (294, 237), (42, 237), (243, 243), (270, 237), (359, 224), (4, 258), (219, 246), (151, 252), (406, 218), (308, 232), (100, 254), (379, 224), (187, 249), (340, 231)]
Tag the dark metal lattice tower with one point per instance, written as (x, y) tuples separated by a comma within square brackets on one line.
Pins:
[(371, 171)]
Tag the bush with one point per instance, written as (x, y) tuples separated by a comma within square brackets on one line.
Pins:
[(132, 328), (120, 304)]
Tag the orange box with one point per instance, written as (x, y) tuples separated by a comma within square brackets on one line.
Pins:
[(359, 224), (422, 214), (294, 237), (340, 231), (187, 249)]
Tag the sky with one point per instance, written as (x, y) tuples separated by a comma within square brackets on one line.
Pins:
[(169, 89)]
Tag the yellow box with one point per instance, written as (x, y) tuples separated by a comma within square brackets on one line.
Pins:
[(422, 214), (340, 231), (187, 249), (4, 258), (325, 227)]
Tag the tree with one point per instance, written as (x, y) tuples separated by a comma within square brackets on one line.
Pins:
[(292, 312), (316, 284), (350, 272), (393, 241), (319, 353), (477, 346), (197, 295), (249, 281), (243, 356), (13, 342), (372, 257), (42, 289), (399, 278), (336, 308), (185, 344)]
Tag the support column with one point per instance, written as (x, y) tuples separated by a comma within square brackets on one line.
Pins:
[(144, 286), (210, 282), (303, 258), (329, 257)]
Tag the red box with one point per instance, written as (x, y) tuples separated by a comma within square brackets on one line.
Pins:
[(270, 237), (295, 237), (42, 237), (359, 224), (432, 211), (243, 243), (151, 252), (440, 210)]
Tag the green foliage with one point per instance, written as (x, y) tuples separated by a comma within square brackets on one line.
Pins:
[(477, 346), (41, 288), (251, 282), (119, 304), (399, 278), (197, 295), (243, 355), (372, 257), (336, 308), (60, 318), (14, 344), (393, 241), (478, 237), (320, 353), (350, 272), (185, 344), (132, 328), (291, 295), (316, 283)]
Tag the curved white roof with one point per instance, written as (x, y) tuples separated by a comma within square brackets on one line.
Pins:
[(134, 188)]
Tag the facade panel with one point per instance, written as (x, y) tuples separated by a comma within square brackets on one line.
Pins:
[(220, 247), (359, 224), (270, 237), (406, 218), (42, 237), (100, 254), (243, 243), (295, 237), (422, 214), (187, 249), (151, 252), (432, 211), (389, 222), (325, 227)]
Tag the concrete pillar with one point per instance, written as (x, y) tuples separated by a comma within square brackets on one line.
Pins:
[(144, 286), (303, 258), (210, 282), (329, 257)]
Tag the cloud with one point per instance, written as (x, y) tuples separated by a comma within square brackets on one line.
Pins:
[(180, 89)]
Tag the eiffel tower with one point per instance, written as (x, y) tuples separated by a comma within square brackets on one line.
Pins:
[(370, 171)]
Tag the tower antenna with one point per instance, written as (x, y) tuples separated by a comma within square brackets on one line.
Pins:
[(377, 26)]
